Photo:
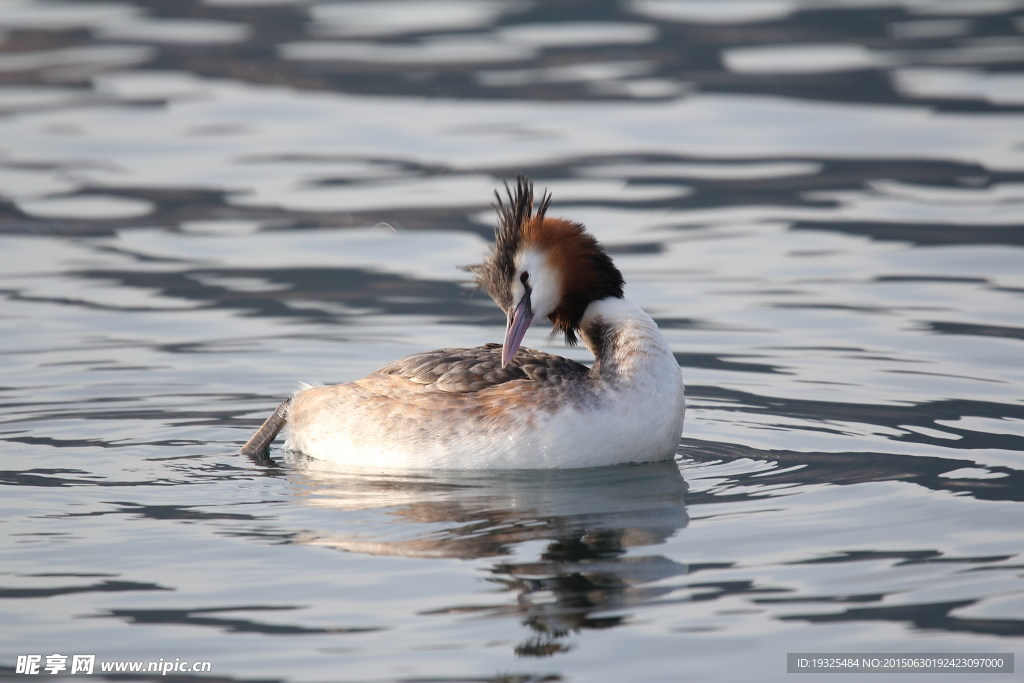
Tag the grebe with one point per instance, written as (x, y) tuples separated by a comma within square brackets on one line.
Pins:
[(500, 406)]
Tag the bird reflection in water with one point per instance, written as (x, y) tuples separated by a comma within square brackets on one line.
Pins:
[(597, 526)]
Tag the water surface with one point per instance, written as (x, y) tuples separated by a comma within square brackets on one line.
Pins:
[(203, 203)]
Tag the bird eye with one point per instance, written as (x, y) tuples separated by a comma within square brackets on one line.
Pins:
[(524, 277)]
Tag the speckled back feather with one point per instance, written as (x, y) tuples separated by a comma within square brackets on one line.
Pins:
[(462, 370)]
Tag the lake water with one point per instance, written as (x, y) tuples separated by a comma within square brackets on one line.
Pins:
[(204, 202)]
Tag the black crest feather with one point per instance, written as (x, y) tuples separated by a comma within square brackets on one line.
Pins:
[(494, 274)]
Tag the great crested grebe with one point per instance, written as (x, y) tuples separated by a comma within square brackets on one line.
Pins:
[(500, 406)]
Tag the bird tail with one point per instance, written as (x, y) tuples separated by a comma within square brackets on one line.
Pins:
[(259, 443)]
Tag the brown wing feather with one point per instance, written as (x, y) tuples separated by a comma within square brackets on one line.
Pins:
[(467, 370)]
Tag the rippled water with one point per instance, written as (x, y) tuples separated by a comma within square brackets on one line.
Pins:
[(204, 202)]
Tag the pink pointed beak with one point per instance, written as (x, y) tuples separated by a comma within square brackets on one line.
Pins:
[(518, 323)]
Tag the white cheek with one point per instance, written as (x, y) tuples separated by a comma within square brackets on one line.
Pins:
[(544, 281)]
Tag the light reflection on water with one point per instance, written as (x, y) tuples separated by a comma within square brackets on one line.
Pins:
[(820, 203)]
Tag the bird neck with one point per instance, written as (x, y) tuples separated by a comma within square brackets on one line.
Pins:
[(625, 341)]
